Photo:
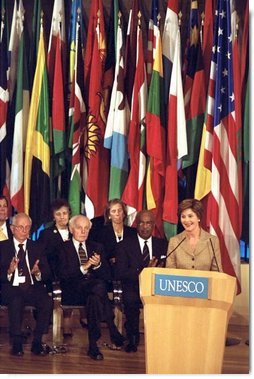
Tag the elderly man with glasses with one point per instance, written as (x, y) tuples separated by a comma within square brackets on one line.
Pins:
[(23, 270)]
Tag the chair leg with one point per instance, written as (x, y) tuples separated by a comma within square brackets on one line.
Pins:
[(67, 323), (118, 318)]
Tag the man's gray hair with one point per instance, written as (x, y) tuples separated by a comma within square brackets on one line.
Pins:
[(73, 220), (18, 215)]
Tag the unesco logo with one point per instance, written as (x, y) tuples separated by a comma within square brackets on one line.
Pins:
[(185, 286)]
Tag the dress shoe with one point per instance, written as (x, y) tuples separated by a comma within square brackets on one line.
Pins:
[(118, 340), (230, 341), (131, 348), (40, 349), (18, 352), (67, 333), (17, 348), (95, 354)]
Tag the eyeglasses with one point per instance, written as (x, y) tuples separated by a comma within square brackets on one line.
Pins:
[(22, 228)]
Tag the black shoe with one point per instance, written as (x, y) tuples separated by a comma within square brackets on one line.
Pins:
[(118, 340), (131, 348), (230, 341), (95, 354), (40, 349), (67, 333), (17, 350)]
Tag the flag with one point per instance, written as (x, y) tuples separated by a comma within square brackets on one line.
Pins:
[(55, 58), (130, 49), (37, 159), (4, 100), (176, 123), (220, 155), (246, 162), (151, 39), (35, 36), (194, 101), (96, 178), (117, 125), (21, 119), (207, 39), (168, 43), (156, 139), (244, 53), (57, 30), (110, 61), (76, 121), (13, 51), (238, 107), (133, 194)]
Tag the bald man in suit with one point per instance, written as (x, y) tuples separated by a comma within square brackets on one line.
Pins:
[(133, 254)]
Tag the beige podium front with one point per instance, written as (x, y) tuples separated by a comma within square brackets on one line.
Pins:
[(186, 335)]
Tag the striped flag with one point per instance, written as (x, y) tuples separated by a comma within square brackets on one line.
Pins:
[(133, 194), (220, 155), (151, 39), (21, 119), (55, 58), (194, 101), (130, 49), (176, 123), (13, 50), (77, 121), (156, 139), (110, 61), (4, 100), (37, 159), (117, 125), (207, 39), (96, 177)]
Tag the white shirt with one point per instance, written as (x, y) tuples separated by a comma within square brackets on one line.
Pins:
[(16, 279), (149, 244)]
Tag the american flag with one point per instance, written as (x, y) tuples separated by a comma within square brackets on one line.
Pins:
[(221, 145)]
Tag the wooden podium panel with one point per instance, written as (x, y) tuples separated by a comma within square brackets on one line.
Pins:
[(186, 335)]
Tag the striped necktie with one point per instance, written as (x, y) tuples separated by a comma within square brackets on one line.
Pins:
[(146, 254), (82, 254), (22, 266)]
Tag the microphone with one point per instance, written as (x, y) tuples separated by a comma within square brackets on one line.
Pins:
[(171, 252), (214, 257)]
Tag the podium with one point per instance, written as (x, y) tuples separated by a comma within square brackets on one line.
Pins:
[(186, 335)]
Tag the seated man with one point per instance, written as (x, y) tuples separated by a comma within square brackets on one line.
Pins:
[(133, 254), (22, 271), (83, 272)]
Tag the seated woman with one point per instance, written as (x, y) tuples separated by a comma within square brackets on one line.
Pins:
[(194, 248)]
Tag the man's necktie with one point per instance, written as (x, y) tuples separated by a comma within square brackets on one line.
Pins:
[(2, 235), (82, 254), (22, 266), (146, 255)]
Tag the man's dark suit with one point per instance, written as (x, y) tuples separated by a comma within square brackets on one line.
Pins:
[(88, 289), (16, 297), (129, 264), (107, 237), (52, 243), (9, 235)]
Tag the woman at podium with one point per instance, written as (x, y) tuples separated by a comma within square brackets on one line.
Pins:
[(194, 248)]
